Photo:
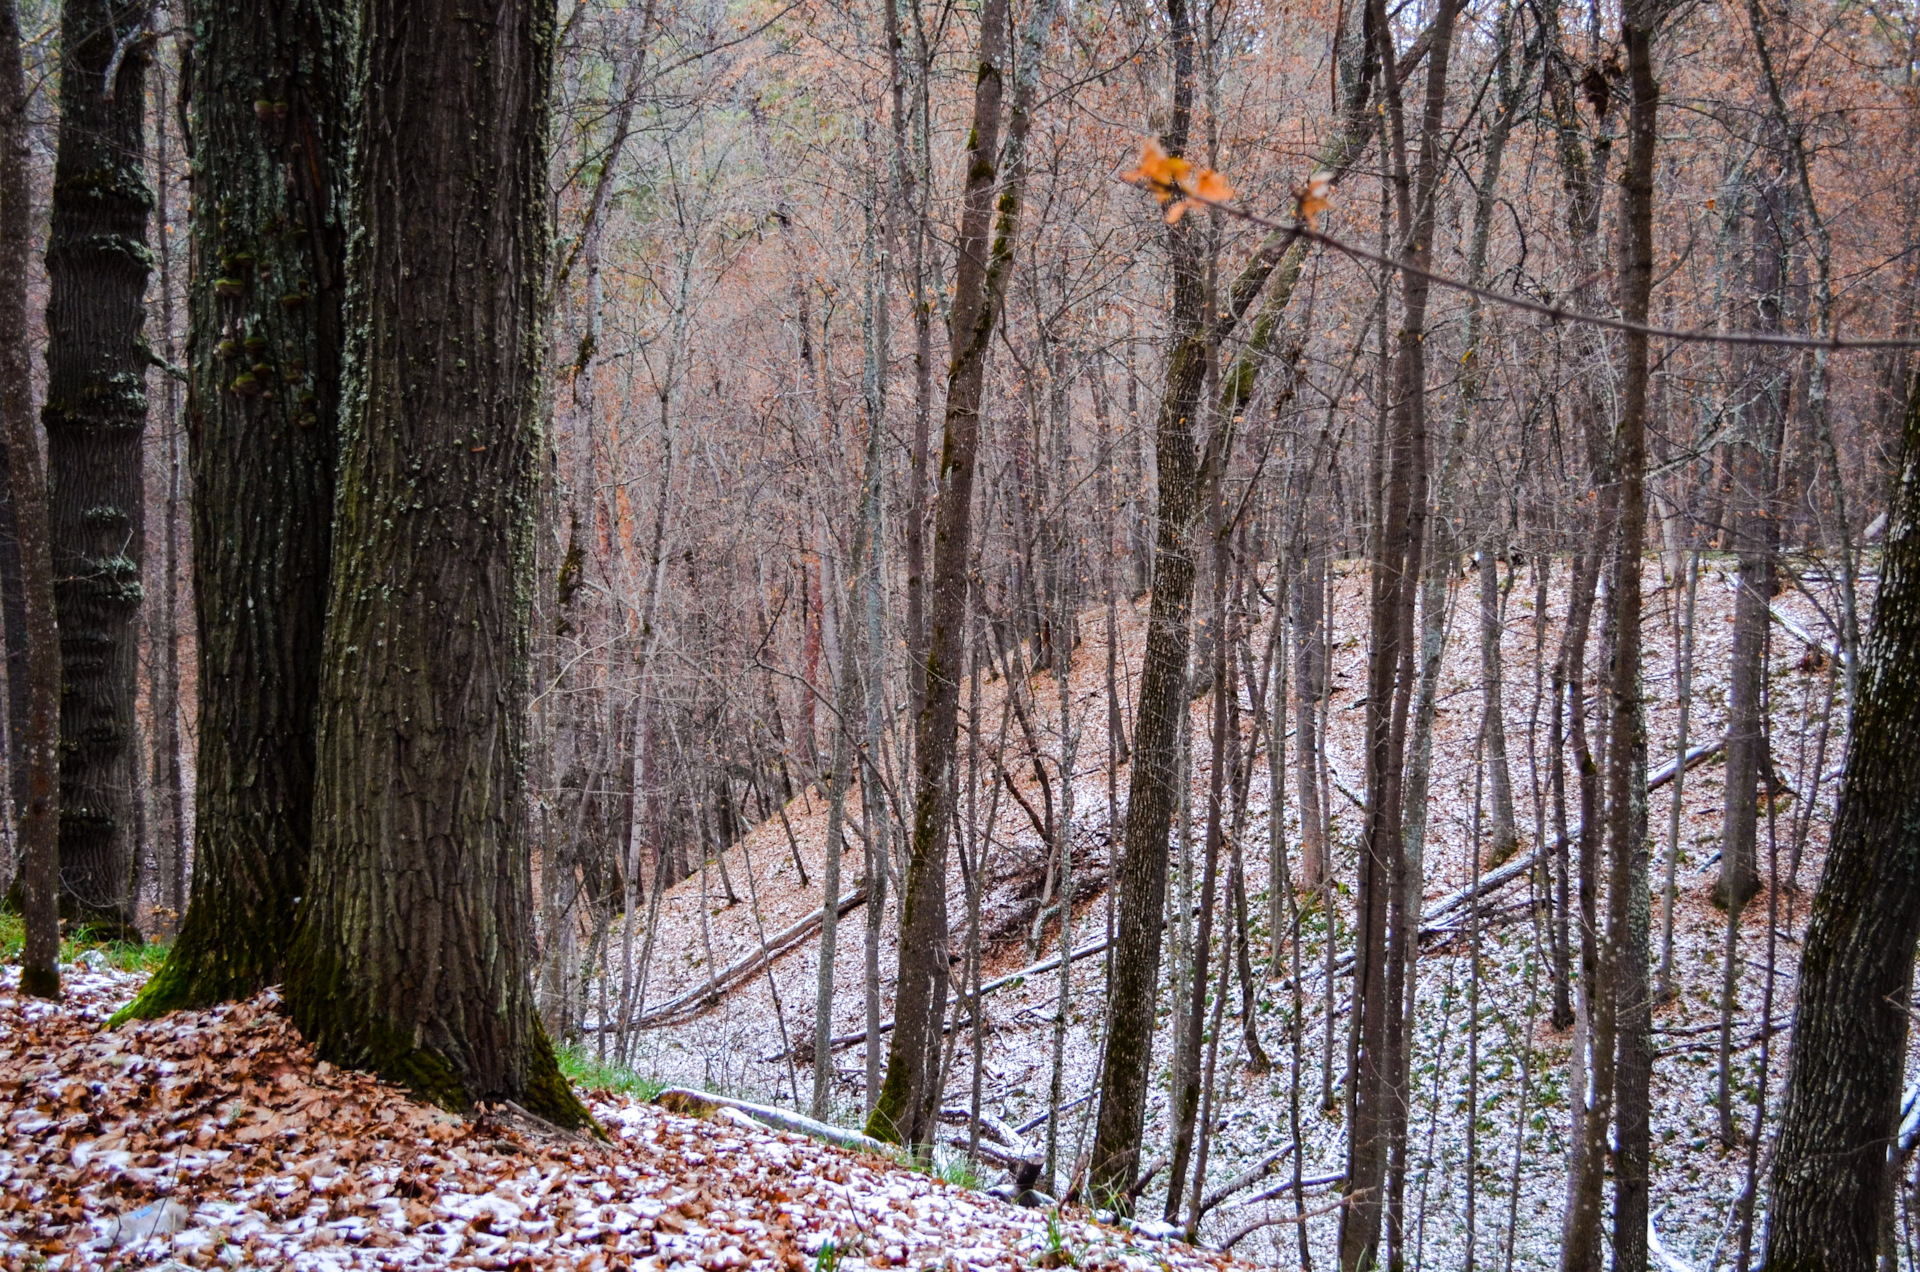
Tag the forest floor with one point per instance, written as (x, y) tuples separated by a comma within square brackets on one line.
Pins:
[(213, 1139), (1495, 1006)]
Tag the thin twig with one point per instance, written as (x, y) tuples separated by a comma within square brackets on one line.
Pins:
[(1553, 313)]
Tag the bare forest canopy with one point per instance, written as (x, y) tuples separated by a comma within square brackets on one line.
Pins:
[(1292, 619)]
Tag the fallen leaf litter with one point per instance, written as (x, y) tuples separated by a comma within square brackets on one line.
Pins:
[(213, 1139)]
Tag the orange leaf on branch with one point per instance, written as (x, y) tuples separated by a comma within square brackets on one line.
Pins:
[(1168, 176), (1313, 198)]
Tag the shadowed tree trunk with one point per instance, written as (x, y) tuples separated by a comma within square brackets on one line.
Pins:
[(414, 947), (1387, 899), (95, 412), (1830, 1174), (34, 756), (269, 88), (16, 242)]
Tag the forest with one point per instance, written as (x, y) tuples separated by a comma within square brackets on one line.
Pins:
[(1170, 633)]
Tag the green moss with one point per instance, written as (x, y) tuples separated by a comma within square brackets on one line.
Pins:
[(549, 1094), (317, 989), (186, 978), (167, 992), (883, 1122)]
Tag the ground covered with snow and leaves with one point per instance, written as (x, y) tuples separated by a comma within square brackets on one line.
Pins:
[(1485, 1052), (213, 1139)]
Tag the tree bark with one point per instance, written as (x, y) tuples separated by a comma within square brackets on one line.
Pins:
[(1850, 1027), (1755, 535), (1382, 969), (1630, 901), (34, 757), (1153, 791), (414, 947), (95, 412), (1504, 838), (264, 349), (908, 1105), (166, 797)]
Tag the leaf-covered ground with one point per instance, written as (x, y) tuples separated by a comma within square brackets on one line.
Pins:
[(213, 1139)]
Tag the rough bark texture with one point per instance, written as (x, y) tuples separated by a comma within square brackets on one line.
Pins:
[(269, 89), (96, 409), (1830, 1172), (413, 951), (34, 756), (1630, 901)]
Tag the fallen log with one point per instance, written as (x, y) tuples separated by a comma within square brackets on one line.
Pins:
[(1246, 1178), (704, 1104), (1494, 880), (695, 1001), (1284, 1187)]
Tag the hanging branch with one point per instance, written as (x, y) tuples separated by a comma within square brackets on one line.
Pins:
[(1204, 188)]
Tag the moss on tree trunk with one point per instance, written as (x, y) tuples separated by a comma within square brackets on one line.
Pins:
[(414, 942), (269, 84)]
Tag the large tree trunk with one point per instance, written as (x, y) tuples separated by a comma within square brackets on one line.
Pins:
[(264, 346), (1850, 1029), (34, 755), (414, 948), (95, 412)]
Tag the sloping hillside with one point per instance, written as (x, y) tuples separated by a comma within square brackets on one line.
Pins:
[(738, 1042)]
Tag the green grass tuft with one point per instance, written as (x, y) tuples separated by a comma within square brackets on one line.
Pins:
[(126, 956), (956, 1169), (587, 1073)]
